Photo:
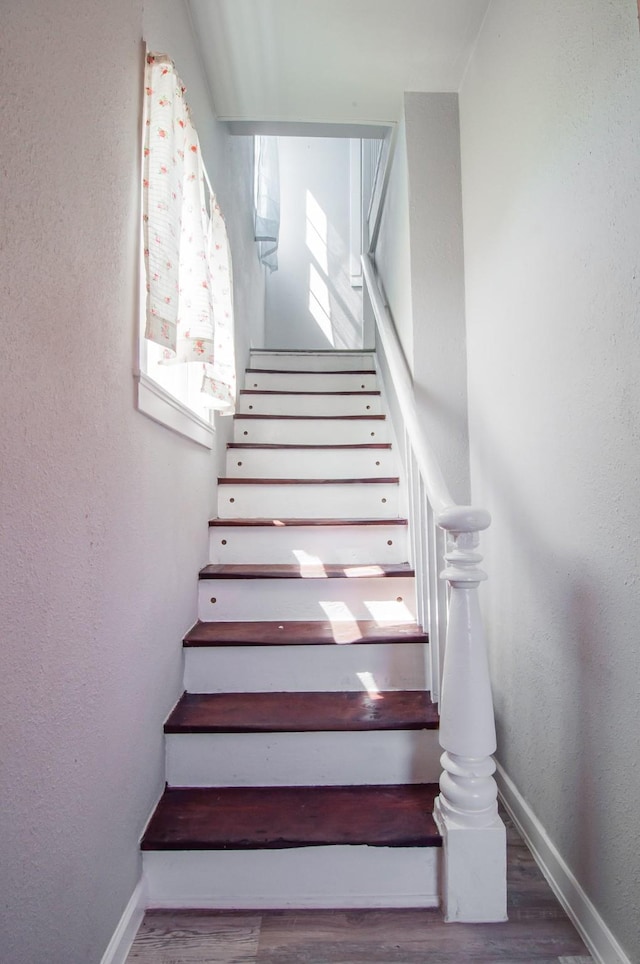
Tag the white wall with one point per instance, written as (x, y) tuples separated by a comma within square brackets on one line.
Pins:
[(550, 120), (103, 522), (310, 301), (421, 265)]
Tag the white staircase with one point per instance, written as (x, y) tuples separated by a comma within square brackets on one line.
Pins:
[(302, 759)]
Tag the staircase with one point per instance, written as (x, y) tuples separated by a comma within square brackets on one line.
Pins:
[(301, 761)]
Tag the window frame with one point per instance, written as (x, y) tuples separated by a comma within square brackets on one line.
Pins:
[(151, 397)]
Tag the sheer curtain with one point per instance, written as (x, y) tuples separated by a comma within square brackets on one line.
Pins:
[(189, 310), (267, 200)]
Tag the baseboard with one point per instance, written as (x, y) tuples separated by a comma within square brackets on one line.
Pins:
[(125, 932), (295, 902), (601, 943)]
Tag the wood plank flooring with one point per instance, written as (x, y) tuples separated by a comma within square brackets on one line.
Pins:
[(537, 932)]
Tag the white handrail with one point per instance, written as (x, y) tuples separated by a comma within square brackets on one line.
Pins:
[(449, 514), (381, 183)]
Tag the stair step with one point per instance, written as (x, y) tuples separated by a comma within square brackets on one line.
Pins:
[(313, 758), (311, 571), (304, 877), (301, 712), (225, 480), (305, 669), (290, 596), (308, 462), (292, 381), (307, 371), (305, 429), (302, 633), (327, 418), (300, 392), (286, 739), (312, 404), (294, 446), (312, 361), (319, 498), (366, 846), (288, 523), (266, 818), (345, 542)]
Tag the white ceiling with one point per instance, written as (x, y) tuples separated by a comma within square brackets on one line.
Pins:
[(331, 61)]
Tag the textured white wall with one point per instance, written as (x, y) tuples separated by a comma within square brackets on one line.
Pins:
[(424, 250), (550, 121), (310, 301), (103, 522)]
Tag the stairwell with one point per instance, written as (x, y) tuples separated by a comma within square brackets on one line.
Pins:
[(301, 760)]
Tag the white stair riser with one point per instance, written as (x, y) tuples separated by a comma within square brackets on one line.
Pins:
[(310, 382), (306, 669), (298, 877), (301, 463), (322, 431), (290, 545), (293, 759), (312, 361), (306, 599), (334, 501), (310, 404)]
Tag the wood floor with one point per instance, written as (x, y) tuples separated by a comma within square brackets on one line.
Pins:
[(537, 931)]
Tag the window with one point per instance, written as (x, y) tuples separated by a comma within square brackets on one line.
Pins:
[(186, 359)]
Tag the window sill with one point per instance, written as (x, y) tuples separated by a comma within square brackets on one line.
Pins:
[(159, 405)]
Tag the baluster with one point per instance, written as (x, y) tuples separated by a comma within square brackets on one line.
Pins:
[(409, 463), (422, 570), (442, 595), (466, 809), (432, 602)]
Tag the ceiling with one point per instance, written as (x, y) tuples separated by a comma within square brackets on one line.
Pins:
[(331, 61)]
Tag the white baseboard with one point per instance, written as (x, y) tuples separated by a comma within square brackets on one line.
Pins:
[(296, 902), (125, 932), (601, 943)]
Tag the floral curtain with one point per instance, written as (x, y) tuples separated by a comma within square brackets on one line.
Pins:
[(186, 249)]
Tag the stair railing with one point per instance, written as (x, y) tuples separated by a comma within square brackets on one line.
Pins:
[(446, 538)]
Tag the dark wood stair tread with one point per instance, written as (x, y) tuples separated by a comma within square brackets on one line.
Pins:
[(292, 446), (275, 818), (232, 480), (310, 571), (326, 418), (302, 633), (301, 712), (276, 391), (284, 523), (307, 371)]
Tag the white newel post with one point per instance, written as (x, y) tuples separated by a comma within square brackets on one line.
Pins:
[(466, 811)]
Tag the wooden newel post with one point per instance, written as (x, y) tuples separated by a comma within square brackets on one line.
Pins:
[(474, 839)]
